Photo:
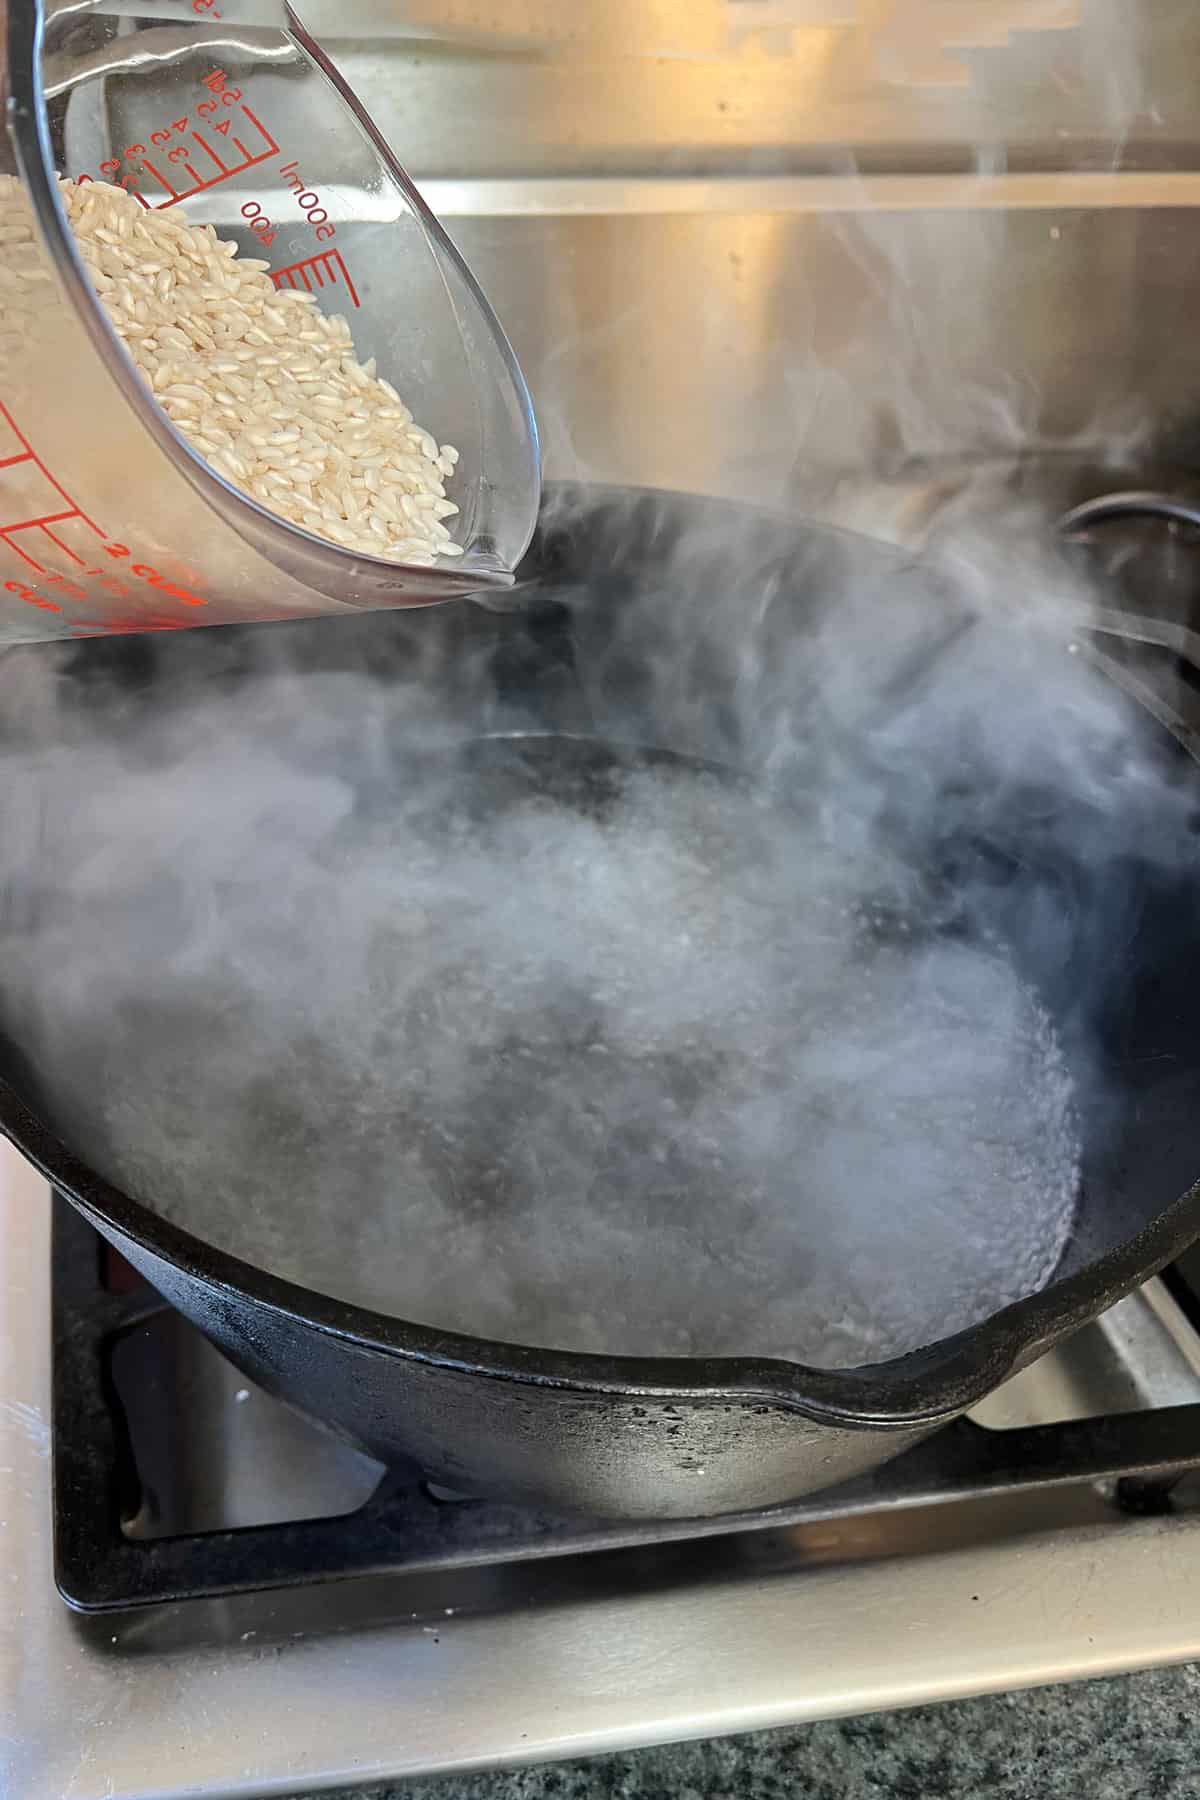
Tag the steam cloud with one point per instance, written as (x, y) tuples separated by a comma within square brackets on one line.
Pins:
[(615, 1051), (569, 1044)]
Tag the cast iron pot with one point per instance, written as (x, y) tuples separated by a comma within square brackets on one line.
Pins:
[(618, 581)]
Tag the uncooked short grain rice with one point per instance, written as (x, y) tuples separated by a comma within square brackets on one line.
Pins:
[(262, 384)]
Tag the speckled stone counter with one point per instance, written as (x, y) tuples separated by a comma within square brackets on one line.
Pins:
[(1135, 1737)]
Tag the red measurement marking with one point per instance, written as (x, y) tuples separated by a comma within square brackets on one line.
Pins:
[(29, 483), (161, 179), (40, 521), (260, 148), (120, 626), (206, 146), (30, 596), (315, 272), (65, 548)]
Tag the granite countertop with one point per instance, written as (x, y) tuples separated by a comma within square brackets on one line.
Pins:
[(1134, 1737)]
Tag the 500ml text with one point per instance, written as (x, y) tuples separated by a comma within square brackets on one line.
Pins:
[(309, 202)]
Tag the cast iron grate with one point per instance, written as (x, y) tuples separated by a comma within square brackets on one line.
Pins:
[(404, 1527)]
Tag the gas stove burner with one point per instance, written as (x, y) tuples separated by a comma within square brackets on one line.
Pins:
[(175, 1480)]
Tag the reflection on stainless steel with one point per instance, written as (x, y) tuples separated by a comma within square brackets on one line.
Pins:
[(167, 45), (213, 1452), (1142, 1353), (617, 87), (783, 355), (602, 196)]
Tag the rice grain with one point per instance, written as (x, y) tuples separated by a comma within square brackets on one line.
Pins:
[(263, 385)]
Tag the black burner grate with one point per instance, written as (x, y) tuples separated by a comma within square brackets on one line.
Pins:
[(106, 1559)]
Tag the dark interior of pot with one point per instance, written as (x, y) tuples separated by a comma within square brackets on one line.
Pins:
[(752, 942)]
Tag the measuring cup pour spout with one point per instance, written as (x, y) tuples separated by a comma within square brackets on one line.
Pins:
[(228, 113)]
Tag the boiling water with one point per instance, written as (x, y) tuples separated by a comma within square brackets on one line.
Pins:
[(610, 1054)]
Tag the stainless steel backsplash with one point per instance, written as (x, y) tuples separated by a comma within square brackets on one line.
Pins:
[(763, 247)]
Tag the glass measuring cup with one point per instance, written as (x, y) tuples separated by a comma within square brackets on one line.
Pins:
[(225, 110)]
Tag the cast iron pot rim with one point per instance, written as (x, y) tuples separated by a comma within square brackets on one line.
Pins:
[(924, 1387)]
